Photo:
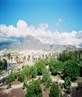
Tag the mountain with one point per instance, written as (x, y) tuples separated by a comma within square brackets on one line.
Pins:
[(31, 43)]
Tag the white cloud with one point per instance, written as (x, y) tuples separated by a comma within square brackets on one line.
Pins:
[(21, 24), (59, 21), (3, 28), (42, 32)]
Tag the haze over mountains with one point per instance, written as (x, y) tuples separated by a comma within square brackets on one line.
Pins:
[(31, 43)]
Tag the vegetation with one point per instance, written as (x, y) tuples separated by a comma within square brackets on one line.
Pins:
[(8, 55), (70, 55), (55, 66), (25, 73), (66, 55), (46, 79), (34, 89), (33, 71), (71, 69), (67, 84), (69, 64), (55, 91), (12, 76), (40, 65), (3, 64)]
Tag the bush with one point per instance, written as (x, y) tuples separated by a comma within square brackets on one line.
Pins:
[(46, 79), (34, 89), (55, 66), (67, 84), (40, 65), (33, 71), (11, 77), (66, 55), (25, 73), (71, 69), (54, 91)]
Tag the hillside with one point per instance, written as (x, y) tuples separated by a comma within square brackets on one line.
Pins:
[(31, 43)]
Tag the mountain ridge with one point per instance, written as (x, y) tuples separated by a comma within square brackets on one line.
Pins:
[(32, 43)]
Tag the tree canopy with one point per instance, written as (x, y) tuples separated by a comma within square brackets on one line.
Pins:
[(33, 71), (55, 91), (71, 69), (55, 66), (40, 65), (34, 89), (46, 79), (67, 84)]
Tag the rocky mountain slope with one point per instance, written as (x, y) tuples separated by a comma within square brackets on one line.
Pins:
[(31, 43)]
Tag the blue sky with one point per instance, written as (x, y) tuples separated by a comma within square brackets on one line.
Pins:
[(36, 12)]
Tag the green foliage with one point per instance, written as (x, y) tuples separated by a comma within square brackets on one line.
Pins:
[(3, 64), (26, 70), (66, 55), (71, 69), (67, 84), (54, 91), (40, 65), (11, 77), (24, 73), (34, 89), (22, 76), (33, 71), (70, 55), (55, 66), (46, 79)]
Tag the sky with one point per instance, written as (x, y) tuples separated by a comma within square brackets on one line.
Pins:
[(46, 19)]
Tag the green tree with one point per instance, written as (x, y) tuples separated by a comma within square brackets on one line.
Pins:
[(66, 55), (55, 66), (33, 71), (22, 76), (10, 79), (9, 56), (4, 62), (46, 79), (67, 84), (55, 91), (17, 59), (34, 89), (26, 70), (71, 69), (40, 65), (25, 73)]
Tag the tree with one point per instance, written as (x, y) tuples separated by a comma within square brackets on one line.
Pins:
[(24, 58), (66, 55), (67, 84), (46, 79), (55, 66), (12, 76), (17, 59), (40, 65), (33, 71), (10, 79), (28, 57), (71, 69), (55, 91), (9, 56), (25, 73), (80, 65), (4, 62), (34, 89)]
